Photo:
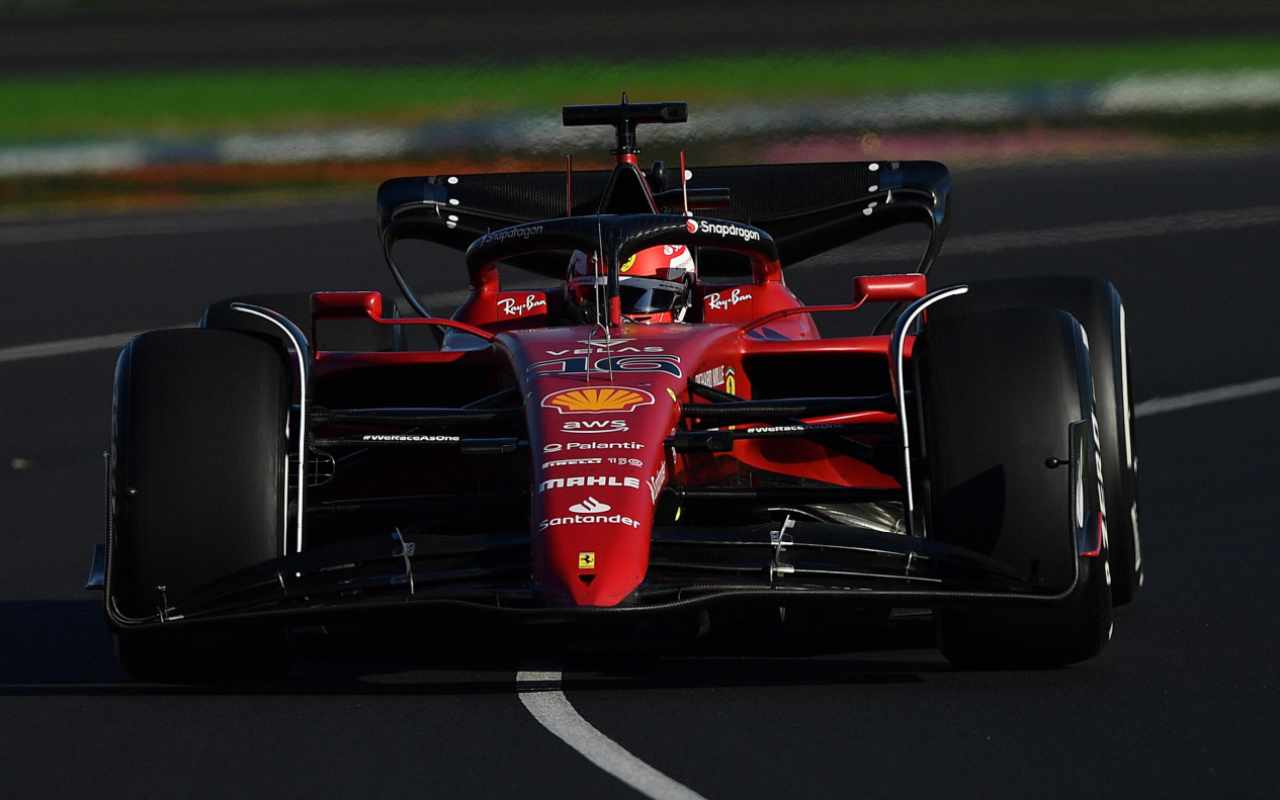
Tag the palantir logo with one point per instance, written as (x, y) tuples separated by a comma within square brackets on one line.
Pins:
[(590, 506)]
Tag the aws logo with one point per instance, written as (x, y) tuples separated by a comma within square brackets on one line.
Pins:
[(595, 426)]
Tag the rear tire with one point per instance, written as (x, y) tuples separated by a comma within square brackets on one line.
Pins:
[(1096, 304), (198, 455), (999, 391)]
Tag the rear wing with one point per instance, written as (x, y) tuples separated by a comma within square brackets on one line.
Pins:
[(807, 208)]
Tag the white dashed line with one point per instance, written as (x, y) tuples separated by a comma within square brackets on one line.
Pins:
[(541, 694)]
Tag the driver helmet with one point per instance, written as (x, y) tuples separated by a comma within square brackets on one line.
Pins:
[(655, 284)]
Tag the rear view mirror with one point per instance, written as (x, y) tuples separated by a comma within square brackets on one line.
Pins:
[(888, 288), (346, 305)]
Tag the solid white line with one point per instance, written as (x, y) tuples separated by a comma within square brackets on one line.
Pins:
[(543, 699), (1067, 235), (212, 221), (1190, 222), (1156, 405), (1204, 397), (109, 341)]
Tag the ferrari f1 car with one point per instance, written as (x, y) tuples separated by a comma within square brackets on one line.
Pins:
[(659, 429)]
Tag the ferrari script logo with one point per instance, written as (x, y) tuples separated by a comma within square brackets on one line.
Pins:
[(597, 401)]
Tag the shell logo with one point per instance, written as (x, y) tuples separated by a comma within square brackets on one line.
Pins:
[(597, 401), (629, 263)]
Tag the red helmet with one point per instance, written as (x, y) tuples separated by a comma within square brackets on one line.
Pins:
[(656, 284)]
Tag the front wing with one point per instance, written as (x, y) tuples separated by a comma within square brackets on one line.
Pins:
[(797, 562)]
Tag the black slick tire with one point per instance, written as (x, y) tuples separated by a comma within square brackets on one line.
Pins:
[(999, 393), (198, 455), (1096, 304)]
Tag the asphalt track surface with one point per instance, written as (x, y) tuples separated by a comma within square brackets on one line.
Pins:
[(1180, 704)]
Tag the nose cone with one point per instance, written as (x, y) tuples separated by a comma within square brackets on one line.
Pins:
[(598, 414), (597, 471), (595, 553)]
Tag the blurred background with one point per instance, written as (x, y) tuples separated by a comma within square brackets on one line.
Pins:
[(118, 106), (158, 156)]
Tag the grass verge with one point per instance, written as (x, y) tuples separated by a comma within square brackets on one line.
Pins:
[(83, 106)]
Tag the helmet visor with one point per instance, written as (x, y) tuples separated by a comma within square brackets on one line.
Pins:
[(650, 296)]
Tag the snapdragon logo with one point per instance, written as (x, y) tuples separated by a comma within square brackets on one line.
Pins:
[(521, 232), (722, 230)]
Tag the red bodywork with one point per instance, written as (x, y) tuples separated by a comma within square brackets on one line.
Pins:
[(601, 402), (547, 454), (600, 407)]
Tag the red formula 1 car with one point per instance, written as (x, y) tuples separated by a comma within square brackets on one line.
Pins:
[(660, 431)]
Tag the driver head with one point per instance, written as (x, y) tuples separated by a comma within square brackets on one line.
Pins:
[(655, 284)]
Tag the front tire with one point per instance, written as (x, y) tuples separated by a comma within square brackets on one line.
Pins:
[(198, 459), (999, 393), (1097, 306)]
